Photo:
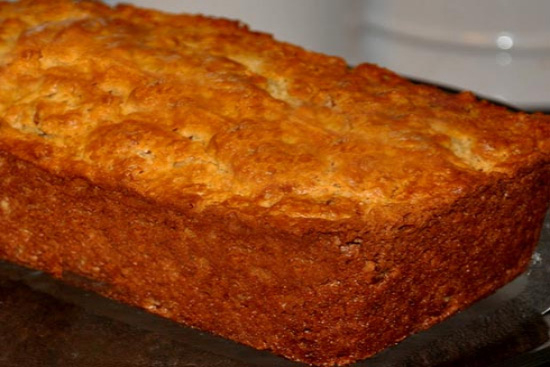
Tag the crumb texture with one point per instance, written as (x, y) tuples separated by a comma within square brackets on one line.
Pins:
[(180, 105)]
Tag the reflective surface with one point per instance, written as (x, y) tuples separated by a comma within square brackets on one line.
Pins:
[(497, 48)]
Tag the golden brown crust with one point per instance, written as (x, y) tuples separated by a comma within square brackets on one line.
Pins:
[(316, 210), (137, 98)]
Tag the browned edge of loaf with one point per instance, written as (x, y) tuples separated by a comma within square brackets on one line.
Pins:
[(322, 292)]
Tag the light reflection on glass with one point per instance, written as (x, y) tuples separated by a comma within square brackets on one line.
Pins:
[(504, 58), (505, 41)]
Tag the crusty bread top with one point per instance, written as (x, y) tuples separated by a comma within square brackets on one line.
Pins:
[(180, 107)]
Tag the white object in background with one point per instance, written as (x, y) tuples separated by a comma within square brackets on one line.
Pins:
[(320, 25), (497, 48)]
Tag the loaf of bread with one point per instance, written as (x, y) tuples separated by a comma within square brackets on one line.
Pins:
[(247, 187)]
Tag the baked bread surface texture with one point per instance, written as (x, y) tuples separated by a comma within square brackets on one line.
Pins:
[(247, 187)]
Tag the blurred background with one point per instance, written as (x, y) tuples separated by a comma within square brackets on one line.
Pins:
[(500, 49)]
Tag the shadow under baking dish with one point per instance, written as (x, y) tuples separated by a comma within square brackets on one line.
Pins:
[(44, 322)]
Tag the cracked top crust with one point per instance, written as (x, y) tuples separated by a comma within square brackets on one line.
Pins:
[(181, 107)]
